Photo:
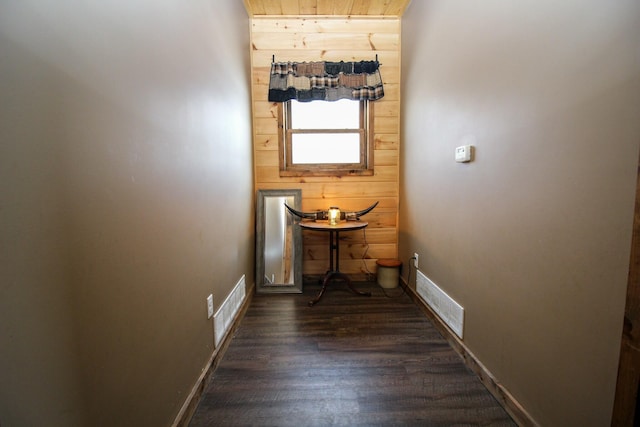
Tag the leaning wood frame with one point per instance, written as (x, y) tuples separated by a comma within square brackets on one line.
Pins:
[(294, 236)]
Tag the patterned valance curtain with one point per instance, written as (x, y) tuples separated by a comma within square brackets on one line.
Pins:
[(325, 81)]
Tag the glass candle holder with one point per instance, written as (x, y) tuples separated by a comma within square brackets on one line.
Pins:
[(334, 215)]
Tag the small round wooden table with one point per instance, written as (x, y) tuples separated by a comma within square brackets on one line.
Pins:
[(334, 252)]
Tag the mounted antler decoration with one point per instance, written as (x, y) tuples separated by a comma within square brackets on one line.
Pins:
[(324, 215)]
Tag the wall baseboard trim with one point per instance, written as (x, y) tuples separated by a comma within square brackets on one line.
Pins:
[(502, 395), (191, 403)]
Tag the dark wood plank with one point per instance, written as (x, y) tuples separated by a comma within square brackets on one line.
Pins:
[(627, 398), (349, 360)]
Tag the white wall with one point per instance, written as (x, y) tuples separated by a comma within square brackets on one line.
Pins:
[(533, 237), (125, 199)]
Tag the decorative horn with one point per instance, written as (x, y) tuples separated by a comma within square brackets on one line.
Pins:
[(356, 215), (320, 215), (310, 215)]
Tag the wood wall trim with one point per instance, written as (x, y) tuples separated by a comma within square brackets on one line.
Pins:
[(501, 393), (626, 396)]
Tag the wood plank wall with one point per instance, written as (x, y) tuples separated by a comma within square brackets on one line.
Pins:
[(333, 39)]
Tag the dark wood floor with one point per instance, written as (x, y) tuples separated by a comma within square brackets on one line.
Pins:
[(349, 360)]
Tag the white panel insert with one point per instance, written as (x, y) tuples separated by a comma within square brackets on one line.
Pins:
[(223, 319), (451, 313)]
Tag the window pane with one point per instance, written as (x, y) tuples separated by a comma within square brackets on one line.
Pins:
[(341, 114), (309, 148)]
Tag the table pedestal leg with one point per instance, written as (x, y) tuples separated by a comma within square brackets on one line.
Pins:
[(336, 275)]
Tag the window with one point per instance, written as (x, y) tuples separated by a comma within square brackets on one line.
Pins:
[(323, 138)]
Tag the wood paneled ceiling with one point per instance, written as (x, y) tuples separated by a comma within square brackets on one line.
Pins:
[(391, 8)]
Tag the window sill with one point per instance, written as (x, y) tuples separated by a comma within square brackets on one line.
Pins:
[(326, 172)]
